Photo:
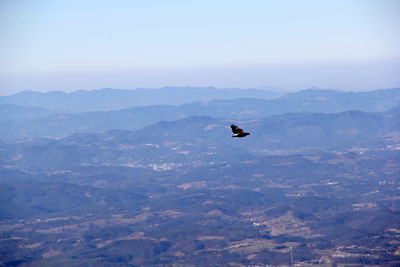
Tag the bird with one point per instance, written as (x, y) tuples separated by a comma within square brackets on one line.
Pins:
[(238, 132)]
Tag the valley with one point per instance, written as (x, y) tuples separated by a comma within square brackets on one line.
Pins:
[(338, 207)]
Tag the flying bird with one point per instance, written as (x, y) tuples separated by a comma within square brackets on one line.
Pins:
[(238, 132)]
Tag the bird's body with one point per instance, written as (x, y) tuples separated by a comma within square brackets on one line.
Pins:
[(238, 132)]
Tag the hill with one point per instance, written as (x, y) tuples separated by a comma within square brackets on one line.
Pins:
[(201, 140)]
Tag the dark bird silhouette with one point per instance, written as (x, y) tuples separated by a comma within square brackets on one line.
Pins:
[(238, 132)]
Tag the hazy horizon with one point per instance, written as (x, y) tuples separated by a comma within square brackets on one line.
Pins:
[(70, 45)]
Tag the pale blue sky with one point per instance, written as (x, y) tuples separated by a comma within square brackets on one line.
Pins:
[(71, 45)]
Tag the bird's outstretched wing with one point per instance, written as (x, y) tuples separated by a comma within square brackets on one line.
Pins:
[(236, 130)]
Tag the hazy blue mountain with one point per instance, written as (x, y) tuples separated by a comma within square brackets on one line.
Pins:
[(112, 99), (239, 109), (266, 103), (66, 124), (280, 132), (10, 112), (18, 122)]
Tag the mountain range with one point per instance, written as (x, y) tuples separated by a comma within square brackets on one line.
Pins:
[(24, 121), (314, 99), (111, 99), (201, 140)]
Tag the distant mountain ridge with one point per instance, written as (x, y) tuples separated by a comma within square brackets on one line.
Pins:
[(314, 100), (289, 131), (16, 126), (107, 99)]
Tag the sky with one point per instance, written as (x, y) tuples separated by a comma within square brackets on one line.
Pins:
[(72, 45)]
